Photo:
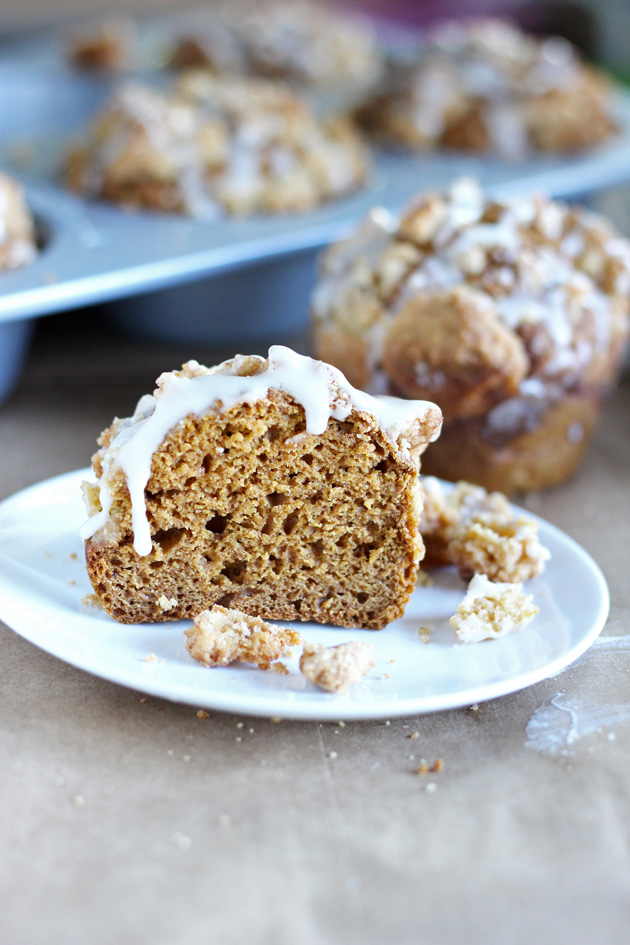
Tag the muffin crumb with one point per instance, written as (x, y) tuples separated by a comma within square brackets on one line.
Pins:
[(336, 668)]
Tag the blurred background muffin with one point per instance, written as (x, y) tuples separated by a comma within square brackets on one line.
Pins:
[(485, 85), (214, 145)]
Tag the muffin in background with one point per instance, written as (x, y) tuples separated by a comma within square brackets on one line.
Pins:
[(486, 86), (295, 40), (510, 314), (103, 46), (18, 244), (215, 145)]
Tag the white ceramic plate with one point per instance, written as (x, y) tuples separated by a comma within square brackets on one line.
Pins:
[(43, 582)]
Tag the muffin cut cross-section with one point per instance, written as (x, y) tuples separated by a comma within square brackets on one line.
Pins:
[(271, 486)]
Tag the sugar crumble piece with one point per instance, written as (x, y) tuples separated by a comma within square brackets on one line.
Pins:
[(279, 668), (202, 714), (150, 658), (479, 533), (491, 610), (437, 766), (166, 603), (336, 668), (73, 556), (221, 636), (72, 582), (91, 600), (425, 634)]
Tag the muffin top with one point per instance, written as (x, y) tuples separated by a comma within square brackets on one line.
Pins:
[(470, 300)]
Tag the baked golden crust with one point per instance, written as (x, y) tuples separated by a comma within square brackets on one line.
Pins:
[(248, 510), (546, 449)]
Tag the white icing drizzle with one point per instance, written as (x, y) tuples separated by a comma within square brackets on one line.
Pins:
[(321, 389)]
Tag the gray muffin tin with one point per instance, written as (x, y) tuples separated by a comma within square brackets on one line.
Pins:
[(177, 278)]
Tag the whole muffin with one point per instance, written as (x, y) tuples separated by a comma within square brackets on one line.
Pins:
[(485, 85), (510, 314), (216, 145)]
